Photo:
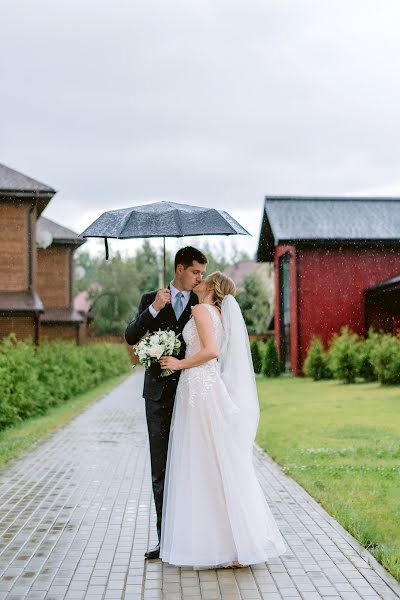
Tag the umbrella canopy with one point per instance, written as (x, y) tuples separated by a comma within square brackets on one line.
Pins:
[(162, 219)]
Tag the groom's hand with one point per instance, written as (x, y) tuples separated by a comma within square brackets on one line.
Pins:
[(162, 298)]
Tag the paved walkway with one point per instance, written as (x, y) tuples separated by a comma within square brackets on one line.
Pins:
[(76, 517)]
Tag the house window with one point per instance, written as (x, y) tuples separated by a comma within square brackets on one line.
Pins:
[(284, 313)]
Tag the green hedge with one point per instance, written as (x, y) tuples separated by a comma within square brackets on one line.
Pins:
[(351, 358), (316, 363), (34, 378), (385, 359), (343, 355)]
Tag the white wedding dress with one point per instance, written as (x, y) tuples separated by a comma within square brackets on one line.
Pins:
[(214, 510)]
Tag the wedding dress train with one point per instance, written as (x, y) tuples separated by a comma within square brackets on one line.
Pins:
[(214, 510)]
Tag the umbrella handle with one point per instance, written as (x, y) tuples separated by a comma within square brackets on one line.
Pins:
[(106, 247), (164, 276)]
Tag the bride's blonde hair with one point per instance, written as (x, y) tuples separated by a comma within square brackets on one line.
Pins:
[(222, 286)]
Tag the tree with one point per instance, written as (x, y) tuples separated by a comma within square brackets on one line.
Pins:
[(256, 356), (271, 366), (254, 304), (115, 296), (115, 286), (316, 363), (88, 266), (148, 265)]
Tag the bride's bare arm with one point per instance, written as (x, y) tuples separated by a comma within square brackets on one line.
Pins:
[(209, 347)]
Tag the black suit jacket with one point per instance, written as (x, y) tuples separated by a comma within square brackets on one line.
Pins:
[(145, 322)]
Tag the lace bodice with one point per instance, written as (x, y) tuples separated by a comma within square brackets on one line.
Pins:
[(191, 336), (196, 382)]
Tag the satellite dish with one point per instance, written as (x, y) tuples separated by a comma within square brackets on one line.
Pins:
[(80, 272), (44, 239)]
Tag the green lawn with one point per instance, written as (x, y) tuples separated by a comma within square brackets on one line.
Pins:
[(342, 444), (15, 440)]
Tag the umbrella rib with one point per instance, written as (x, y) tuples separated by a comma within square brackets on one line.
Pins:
[(227, 222), (179, 222), (127, 219)]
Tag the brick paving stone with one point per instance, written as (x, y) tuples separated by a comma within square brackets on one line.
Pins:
[(77, 515)]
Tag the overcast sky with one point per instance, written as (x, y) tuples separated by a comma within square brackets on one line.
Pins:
[(208, 102)]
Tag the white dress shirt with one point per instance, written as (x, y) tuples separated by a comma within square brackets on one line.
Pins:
[(174, 291)]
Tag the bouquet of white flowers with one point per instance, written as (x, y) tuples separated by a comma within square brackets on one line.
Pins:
[(154, 345)]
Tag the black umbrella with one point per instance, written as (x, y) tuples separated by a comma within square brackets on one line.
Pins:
[(162, 219)]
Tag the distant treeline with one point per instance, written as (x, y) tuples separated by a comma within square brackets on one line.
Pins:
[(115, 286)]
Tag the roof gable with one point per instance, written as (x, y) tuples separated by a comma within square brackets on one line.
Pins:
[(386, 284), (14, 181), (60, 234), (348, 220)]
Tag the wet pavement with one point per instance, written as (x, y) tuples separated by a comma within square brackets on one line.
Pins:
[(76, 516)]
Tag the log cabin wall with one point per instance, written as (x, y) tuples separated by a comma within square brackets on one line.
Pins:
[(54, 276), (14, 250)]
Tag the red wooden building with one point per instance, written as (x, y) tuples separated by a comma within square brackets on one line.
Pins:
[(332, 257)]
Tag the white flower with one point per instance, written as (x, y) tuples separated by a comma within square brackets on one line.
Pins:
[(151, 347), (156, 351)]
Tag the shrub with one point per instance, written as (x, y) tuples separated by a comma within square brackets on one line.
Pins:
[(385, 358), (256, 356), (366, 368), (270, 364), (343, 355), (34, 378), (316, 363)]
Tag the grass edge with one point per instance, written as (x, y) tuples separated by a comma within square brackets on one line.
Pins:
[(23, 437)]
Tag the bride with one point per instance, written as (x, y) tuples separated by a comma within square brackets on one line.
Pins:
[(214, 511)]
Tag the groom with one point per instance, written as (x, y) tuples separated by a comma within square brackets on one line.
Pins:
[(168, 308)]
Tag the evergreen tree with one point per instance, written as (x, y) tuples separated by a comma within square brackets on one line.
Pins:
[(270, 366), (316, 363), (256, 356)]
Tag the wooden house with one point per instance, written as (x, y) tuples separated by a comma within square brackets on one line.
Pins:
[(329, 254), (22, 200), (55, 277)]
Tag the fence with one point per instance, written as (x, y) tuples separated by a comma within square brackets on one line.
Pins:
[(119, 339), (261, 336)]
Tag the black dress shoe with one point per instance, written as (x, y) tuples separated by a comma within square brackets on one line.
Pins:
[(155, 553)]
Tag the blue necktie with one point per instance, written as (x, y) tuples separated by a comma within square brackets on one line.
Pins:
[(178, 306)]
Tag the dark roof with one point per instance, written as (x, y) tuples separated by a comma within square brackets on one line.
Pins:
[(61, 315), (348, 220), (61, 235), (11, 180), (385, 285), (20, 302), (14, 184)]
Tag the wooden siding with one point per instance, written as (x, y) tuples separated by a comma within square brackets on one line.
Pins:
[(53, 276), (332, 284), (63, 331), (14, 265), (22, 326)]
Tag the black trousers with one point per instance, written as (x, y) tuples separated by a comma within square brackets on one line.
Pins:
[(158, 415)]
